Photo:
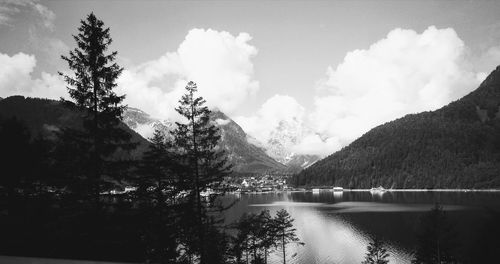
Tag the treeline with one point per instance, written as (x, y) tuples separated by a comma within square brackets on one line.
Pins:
[(454, 147)]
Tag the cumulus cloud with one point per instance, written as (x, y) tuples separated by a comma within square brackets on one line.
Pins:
[(405, 72), (16, 78), (9, 9), (220, 63), (279, 109)]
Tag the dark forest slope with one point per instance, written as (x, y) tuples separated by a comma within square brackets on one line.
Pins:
[(44, 116), (457, 146)]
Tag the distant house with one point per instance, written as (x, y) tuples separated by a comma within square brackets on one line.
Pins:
[(245, 183)]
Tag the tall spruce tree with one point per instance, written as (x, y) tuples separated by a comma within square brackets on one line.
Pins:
[(285, 232), (91, 88), (203, 164)]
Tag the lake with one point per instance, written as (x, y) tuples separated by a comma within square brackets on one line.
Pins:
[(337, 226)]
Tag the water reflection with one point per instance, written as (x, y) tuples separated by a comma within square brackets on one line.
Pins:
[(337, 226)]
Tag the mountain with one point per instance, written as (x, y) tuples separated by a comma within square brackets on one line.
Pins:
[(457, 146), (287, 134), (44, 116), (242, 150), (298, 162)]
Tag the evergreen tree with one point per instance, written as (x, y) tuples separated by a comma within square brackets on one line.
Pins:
[(377, 253), (155, 187), (285, 232), (266, 233), (157, 178), (241, 243), (436, 239), (91, 87), (203, 165)]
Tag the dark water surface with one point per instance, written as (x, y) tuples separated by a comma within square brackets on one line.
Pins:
[(337, 227)]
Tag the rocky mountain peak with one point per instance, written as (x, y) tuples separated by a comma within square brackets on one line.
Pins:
[(246, 156)]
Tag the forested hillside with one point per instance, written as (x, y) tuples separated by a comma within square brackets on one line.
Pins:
[(457, 146), (43, 117)]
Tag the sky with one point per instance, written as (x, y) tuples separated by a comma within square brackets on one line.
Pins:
[(327, 70)]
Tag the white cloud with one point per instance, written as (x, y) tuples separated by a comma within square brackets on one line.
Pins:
[(45, 14), (220, 63), (275, 110), (405, 72), (16, 78), (15, 72), (11, 8), (313, 144)]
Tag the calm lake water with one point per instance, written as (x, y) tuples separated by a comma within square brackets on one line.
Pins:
[(337, 227)]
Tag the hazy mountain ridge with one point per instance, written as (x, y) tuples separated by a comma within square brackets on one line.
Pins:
[(245, 156), (457, 146)]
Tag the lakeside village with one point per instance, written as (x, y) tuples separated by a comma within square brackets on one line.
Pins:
[(259, 183), (256, 183)]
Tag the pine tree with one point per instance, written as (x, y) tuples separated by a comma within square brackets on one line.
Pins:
[(203, 164), (90, 86), (156, 174), (156, 184), (377, 253), (266, 233), (285, 232)]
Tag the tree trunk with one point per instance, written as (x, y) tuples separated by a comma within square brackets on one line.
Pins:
[(284, 254), (197, 187), (96, 176)]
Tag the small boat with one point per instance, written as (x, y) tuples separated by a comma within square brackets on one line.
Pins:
[(315, 190), (378, 189), (338, 189)]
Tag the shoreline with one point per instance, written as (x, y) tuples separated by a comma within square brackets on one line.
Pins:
[(369, 190), (426, 190)]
